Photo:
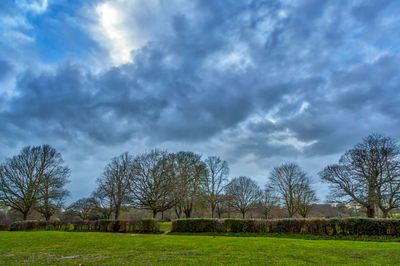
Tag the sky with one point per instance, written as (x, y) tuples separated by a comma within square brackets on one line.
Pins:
[(258, 83)]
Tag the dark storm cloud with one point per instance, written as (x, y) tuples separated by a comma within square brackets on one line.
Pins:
[(313, 66)]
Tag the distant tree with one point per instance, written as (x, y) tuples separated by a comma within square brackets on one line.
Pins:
[(34, 177), (190, 173), (306, 197), (223, 206), (243, 193), (153, 184), (84, 208), (103, 202), (213, 185), (288, 180), (114, 184), (368, 175), (269, 200)]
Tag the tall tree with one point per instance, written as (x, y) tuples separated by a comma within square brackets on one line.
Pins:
[(243, 193), (288, 180), (114, 184), (213, 185), (34, 177), (190, 174), (153, 184), (368, 174)]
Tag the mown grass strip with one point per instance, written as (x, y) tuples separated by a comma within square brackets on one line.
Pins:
[(72, 248)]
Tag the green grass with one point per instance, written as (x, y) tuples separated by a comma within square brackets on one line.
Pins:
[(165, 226), (64, 248)]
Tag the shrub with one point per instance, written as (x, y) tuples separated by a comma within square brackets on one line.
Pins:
[(333, 227), (233, 225), (197, 225), (4, 227), (124, 226)]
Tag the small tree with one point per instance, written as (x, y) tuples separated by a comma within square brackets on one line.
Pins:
[(84, 208), (213, 185), (288, 180), (305, 198), (114, 184), (268, 201), (243, 193), (104, 203)]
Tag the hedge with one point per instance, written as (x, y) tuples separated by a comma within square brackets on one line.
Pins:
[(121, 226), (330, 227), (197, 225), (3, 227)]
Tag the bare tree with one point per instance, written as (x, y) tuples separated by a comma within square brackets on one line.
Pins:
[(288, 180), (243, 193), (114, 184), (34, 177), (215, 182), (104, 202), (153, 183), (52, 192), (268, 201), (368, 175), (223, 206), (305, 198), (190, 174), (84, 208)]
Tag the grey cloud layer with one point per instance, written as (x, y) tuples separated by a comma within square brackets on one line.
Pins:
[(263, 77)]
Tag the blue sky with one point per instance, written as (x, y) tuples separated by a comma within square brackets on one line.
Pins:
[(255, 82)]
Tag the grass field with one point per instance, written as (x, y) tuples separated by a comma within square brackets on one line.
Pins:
[(69, 248), (165, 226)]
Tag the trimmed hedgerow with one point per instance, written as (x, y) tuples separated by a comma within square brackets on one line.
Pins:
[(240, 225), (122, 226), (4, 227), (197, 225), (330, 227)]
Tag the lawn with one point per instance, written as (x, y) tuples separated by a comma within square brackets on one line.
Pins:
[(71, 248), (165, 226)]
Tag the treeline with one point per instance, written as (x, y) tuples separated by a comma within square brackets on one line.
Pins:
[(367, 176)]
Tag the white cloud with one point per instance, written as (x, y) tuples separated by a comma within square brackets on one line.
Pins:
[(288, 138), (38, 7), (237, 59), (123, 26)]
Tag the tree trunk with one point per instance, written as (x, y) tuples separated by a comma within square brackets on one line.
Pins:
[(385, 213), (370, 212), (212, 210), (243, 215), (154, 214), (178, 213), (116, 212), (47, 217), (25, 214), (188, 210)]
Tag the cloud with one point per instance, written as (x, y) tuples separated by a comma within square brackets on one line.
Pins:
[(35, 6), (255, 82)]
